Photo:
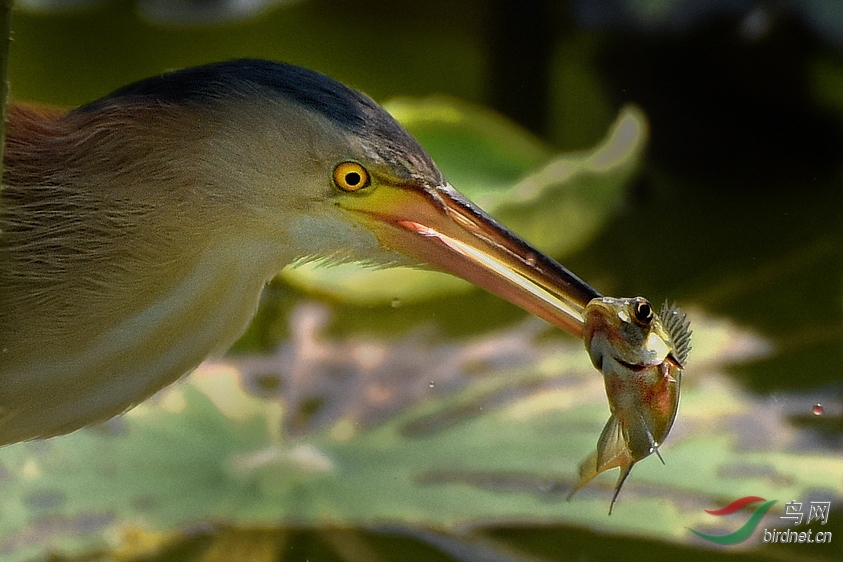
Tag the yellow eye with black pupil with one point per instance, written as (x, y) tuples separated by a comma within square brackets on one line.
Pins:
[(351, 176)]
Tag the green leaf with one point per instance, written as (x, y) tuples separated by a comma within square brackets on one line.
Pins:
[(479, 151), (563, 205), (557, 203)]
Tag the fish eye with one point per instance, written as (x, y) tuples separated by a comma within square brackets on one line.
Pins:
[(643, 311), (351, 176)]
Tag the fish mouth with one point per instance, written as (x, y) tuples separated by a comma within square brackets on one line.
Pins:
[(638, 367), (634, 367)]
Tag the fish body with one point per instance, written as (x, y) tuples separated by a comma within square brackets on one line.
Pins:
[(641, 355)]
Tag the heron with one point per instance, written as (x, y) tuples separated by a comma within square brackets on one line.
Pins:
[(137, 231)]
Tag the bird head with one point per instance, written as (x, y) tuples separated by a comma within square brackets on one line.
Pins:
[(333, 176), (329, 174)]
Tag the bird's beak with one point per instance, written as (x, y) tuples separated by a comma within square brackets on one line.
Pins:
[(440, 227)]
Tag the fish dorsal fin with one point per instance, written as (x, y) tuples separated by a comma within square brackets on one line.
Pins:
[(679, 328)]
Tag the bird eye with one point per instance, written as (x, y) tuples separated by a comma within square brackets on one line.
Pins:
[(351, 176), (643, 311)]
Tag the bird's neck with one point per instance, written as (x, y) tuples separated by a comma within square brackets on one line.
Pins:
[(94, 372), (102, 284)]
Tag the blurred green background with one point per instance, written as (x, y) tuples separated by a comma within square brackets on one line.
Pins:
[(725, 195)]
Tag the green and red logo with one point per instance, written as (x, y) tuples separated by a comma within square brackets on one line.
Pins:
[(747, 529)]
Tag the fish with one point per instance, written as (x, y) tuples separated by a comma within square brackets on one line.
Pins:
[(641, 355)]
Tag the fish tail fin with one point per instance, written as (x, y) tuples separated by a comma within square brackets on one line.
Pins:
[(588, 470), (611, 452)]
